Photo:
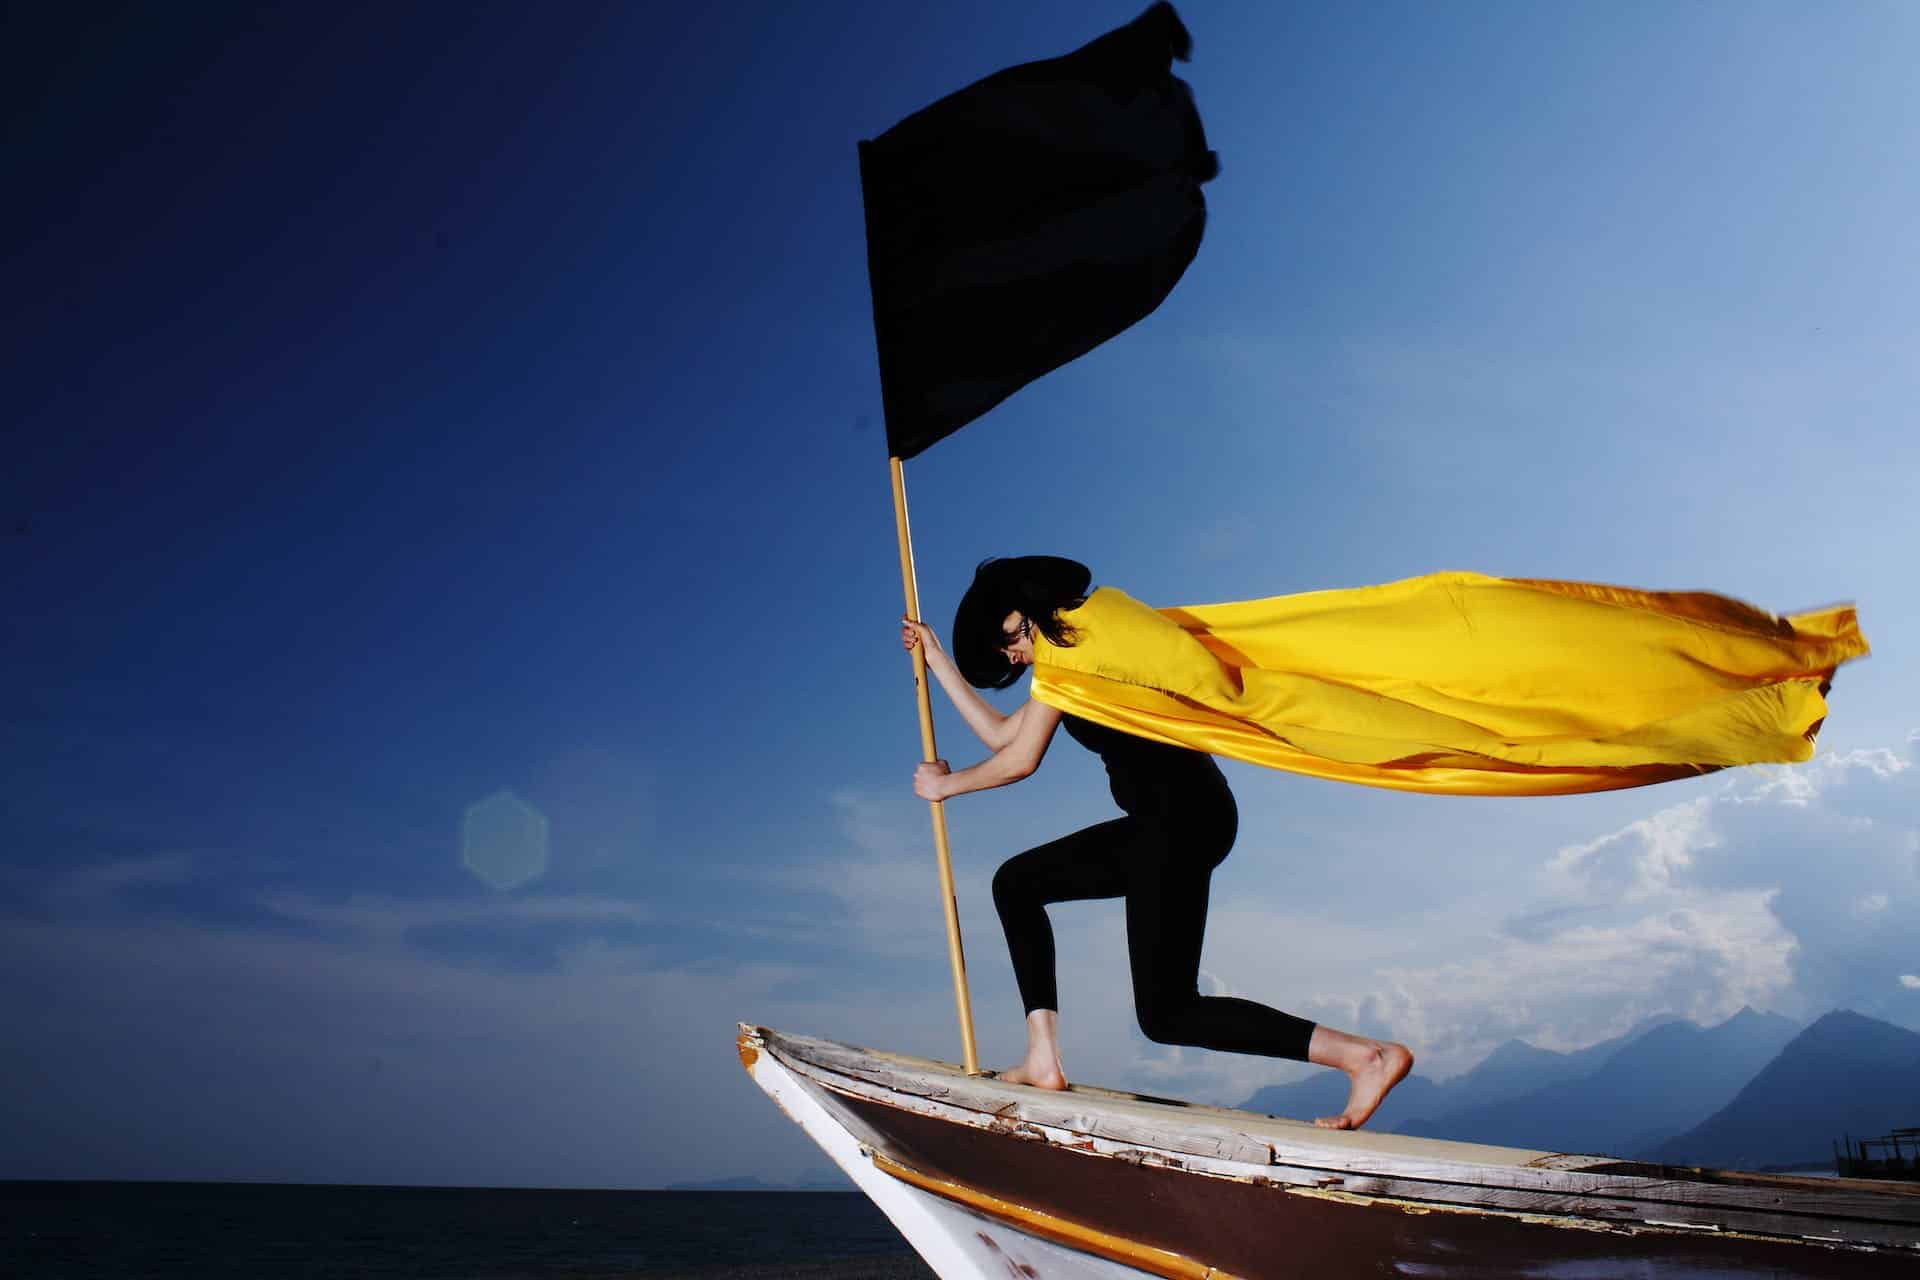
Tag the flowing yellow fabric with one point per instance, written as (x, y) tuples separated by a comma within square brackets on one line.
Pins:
[(1459, 683)]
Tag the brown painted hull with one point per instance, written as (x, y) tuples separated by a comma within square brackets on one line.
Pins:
[(1259, 1231)]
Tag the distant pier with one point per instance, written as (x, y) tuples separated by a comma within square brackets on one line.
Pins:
[(1895, 1155)]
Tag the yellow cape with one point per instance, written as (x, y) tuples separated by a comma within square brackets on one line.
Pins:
[(1458, 683)]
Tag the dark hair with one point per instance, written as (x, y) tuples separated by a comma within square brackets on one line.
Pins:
[(1038, 587)]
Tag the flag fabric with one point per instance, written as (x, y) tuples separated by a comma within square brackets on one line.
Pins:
[(1459, 683), (1022, 221)]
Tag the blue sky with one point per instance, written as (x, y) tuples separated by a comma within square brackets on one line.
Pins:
[(407, 410)]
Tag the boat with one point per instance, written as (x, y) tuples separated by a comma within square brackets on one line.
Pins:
[(994, 1180)]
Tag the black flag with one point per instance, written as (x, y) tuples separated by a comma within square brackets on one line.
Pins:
[(1026, 219)]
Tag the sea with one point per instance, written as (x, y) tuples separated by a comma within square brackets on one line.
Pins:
[(264, 1231)]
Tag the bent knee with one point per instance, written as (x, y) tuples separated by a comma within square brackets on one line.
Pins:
[(1010, 885), (1164, 1023)]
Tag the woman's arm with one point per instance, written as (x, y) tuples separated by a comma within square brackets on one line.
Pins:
[(988, 725), (1019, 757)]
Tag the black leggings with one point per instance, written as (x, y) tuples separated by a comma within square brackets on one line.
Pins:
[(1161, 866)]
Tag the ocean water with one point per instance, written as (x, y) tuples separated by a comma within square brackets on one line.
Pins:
[(250, 1231)]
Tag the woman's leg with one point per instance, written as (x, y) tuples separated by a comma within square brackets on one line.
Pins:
[(1170, 866), (1166, 925), (1084, 865)]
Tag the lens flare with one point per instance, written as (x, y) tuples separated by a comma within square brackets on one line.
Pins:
[(503, 840)]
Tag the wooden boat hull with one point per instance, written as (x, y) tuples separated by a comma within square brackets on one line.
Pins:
[(988, 1179)]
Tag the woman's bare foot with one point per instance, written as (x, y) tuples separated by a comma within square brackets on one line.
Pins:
[(1043, 1076), (1041, 1067), (1373, 1067)]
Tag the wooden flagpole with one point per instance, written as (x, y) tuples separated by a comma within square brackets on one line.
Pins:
[(956, 953)]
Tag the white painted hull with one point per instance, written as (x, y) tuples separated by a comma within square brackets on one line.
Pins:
[(958, 1243)]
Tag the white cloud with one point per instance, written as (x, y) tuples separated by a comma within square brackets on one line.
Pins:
[(886, 883), (1871, 905), (883, 881), (101, 881), (1910, 982), (1800, 785), (1641, 861), (1701, 956), (375, 916)]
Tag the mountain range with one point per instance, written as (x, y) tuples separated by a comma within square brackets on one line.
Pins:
[(1754, 1091), (1845, 1075)]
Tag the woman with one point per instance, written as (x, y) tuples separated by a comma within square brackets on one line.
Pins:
[(1179, 825)]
